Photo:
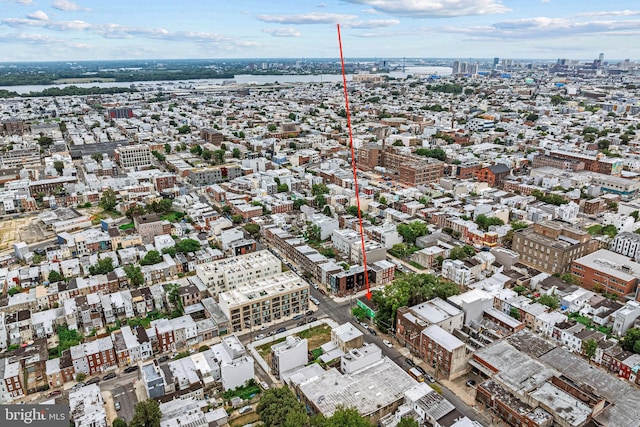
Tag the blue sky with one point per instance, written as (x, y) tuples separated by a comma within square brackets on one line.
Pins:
[(48, 30)]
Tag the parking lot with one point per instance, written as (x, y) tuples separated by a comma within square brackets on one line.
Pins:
[(126, 396)]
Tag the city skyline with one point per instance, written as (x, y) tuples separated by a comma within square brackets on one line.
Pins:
[(62, 30)]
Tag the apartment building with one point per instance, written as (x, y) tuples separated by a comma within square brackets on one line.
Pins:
[(421, 172), (214, 174), (627, 244), (133, 156), (264, 300), (551, 246), (11, 381), (606, 271), (226, 274), (443, 352)]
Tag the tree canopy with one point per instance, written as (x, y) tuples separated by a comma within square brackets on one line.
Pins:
[(147, 414), (410, 232), (279, 407), (151, 257), (408, 290), (484, 222), (103, 266), (631, 340), (108, 200)]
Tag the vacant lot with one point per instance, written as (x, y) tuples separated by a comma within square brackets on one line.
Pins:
[(315, 336)]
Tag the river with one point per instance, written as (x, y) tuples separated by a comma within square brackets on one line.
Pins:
[(239, 79)]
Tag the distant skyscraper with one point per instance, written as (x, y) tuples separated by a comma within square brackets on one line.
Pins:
[(496, 61), (601, 58), (456, 67)]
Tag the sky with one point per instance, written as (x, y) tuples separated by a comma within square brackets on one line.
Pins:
[(65, 30)]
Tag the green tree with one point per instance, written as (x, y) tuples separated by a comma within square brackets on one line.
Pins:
[(173, 296), (58, 165), (184, 129), (631, 340), (147, 414), (589, 348), (167, 148), (187, 245), (314, 232), (359, 313), (104, 266), (518, 225), (515, 313), (297, 203), (197, 150), (549, 300), (399, 250), (279, 407), (320, 200), (408, 422), (134, 274), (346, 417), (410, 232), (219, 156), (236, 153), (80, 376), (133, 211), (319, 189), (282, 188), (237, 219), (484, 222), (253, 229), (272, 128), (462, 252), (152, 257), (54, 277), (108, 200), (327, 210), (352, 210), (382, 200), (119, 422), (97, 157)]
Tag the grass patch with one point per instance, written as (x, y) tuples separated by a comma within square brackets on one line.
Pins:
[(244, 392), (250, 418), (315, 336), (173, 216), (436, 387), (416, 265), (127, 226), (265, 349)]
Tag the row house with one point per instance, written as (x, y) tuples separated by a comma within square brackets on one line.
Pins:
[(12, 384), (60, 370), (94, 356), (411, 321), (131, 345)]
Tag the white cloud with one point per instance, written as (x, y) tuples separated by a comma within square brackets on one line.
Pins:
[(545, 28), (282, 32), (435, 8), (372, 23), (38, 15), (48, 24), (26, 38), (611, 13), (306, 18), (66, 5)]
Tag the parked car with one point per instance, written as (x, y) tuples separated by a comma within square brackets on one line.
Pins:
[(422, 371), (271, 333), (116, 404), (245, 409), (54, 393), (77, 386), (263, 327), (313, 319), (387, 343), (309, 312), (264, 385), (301, 323), (258, 337), (297, 317), (409, 362), (109, 376), (163, 358), (322, 291), (470, 383), (94, 380), (131, 369), (281, 330), (372, 331), (315, 286)]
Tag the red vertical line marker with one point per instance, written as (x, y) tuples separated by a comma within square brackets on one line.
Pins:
[(354, 167)]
